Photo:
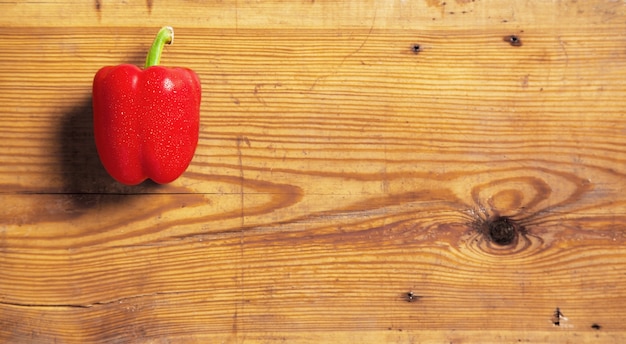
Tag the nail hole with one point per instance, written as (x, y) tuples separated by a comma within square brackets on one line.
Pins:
[(557, 316), (411, 297), (416, 48), (513, 40)]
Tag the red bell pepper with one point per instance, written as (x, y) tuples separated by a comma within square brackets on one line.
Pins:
[(146, 122)]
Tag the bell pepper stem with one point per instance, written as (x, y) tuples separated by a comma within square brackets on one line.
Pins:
[(165, 36)]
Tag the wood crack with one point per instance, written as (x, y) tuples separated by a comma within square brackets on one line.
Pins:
[(97, 303)]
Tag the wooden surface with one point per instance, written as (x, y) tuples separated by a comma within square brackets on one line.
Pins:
[(337, 172)]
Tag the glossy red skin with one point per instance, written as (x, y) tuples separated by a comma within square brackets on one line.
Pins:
[(146, 122)]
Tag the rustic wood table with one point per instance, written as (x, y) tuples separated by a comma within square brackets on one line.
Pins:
[(368, 171)]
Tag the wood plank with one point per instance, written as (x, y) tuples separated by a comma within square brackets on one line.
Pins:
[(338, 171), (245, 14)]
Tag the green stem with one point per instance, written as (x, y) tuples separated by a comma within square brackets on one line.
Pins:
[(165, 36)]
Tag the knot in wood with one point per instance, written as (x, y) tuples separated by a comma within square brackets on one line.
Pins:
[(502, 231)]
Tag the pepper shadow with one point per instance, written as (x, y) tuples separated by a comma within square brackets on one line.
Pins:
[(85, 181)]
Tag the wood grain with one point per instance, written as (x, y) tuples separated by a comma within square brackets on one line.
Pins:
[(337, 171)]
